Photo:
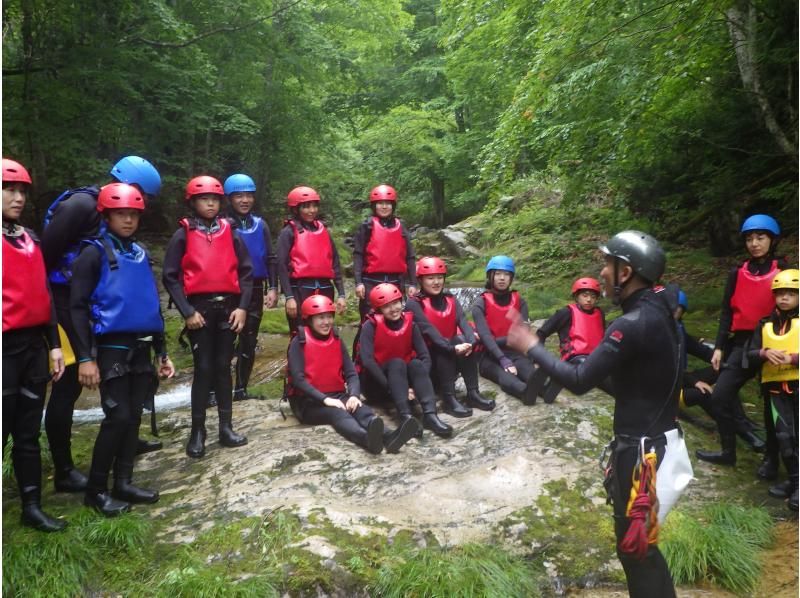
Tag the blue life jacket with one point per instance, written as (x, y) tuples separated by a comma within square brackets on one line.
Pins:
[(253, 238), (125, 298), (63, 272)]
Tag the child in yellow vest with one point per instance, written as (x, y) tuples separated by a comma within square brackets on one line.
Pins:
[(775, 343)]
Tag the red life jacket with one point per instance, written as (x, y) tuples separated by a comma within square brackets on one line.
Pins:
[(324, 368), (386, 249), (389, 343), (752, 299), (209, 264), (585, 332), (496, 315), (311, 255), (26, 302), (444, 321)]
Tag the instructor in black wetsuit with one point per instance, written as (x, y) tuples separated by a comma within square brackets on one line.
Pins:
[(641, 354)]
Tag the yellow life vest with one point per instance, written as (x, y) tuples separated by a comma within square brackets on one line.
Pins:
[(66, 348), (783, 342)]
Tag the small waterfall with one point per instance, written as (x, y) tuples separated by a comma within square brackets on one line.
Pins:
[(178, 397)]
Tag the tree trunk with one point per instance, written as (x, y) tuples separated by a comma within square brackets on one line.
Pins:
[(437, 191), (742, 28)]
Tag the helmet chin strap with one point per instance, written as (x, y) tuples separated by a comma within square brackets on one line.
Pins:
[(616, 299)]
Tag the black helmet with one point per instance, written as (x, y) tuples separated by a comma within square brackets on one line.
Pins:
[(640, 250)]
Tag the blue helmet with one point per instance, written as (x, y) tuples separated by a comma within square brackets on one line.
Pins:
[(237, 183), (501, 262), (683, 301), (761, 222), (134, 170)]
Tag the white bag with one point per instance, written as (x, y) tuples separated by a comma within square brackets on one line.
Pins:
[(674, 473)]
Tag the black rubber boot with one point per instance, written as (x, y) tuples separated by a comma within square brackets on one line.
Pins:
[(781, 490), (453, 407), (478, 401), (768, 470), (406, 417), (33, 516), (196, 447), (534, 386), (124, 490), (751, 438), (148, 446), (393, 441), (240, 394), (105, 504), (551, 392), (375, 436), (212, 399), (727, 456), (432, 422), (227, 437), (792, 504), (69, 480)]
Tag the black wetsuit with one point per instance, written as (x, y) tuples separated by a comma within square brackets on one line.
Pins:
[(248, 337), (307, 401), (641, 352), (75, 218), (127, 376), (446, 365), (393, 379), (496, 357), (301, 289), (212, 344)]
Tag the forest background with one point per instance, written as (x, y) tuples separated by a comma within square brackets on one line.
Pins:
[(680, 114)]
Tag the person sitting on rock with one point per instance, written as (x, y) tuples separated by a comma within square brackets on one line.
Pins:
[(449, 336), (393, 360), (502, 365), (115, 308), (580, 326), (324, 387)]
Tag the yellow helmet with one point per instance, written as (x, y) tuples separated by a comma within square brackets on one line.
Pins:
[(787, 279)]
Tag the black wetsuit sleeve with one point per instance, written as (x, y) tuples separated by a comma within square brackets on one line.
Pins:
[(272, 259), (360, 241), (245, 271), (482, 326), (285, 242), (85, 276), (172, 273), (75, 218), (697, 349), (350, 375), (411, 258), (463, 324), (429, 331), (51, 331), (337, 268), (297, 366), (420, 348), (754, 347), (725, 312), (367, 354), (556, 323)]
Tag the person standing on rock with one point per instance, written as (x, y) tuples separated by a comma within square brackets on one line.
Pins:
[(308, 263), (449, 337), (72, 217), (116, 312), (393, 360), (498, 362), (208, 274), (253, 230), (324, 387), (30, 333), (641, 353)]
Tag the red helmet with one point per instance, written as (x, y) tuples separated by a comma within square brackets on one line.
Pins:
[(300, 195), (431, 265), (585, 284), (383, 294), (119, 195), (14, 172), (383, 193), (203, 184), (316, 304)]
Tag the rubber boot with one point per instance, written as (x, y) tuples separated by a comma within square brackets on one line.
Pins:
[(453, 407), (768, 470), (32, 514), (792, 504), (534, 386), (125, 491), (408, 428), (375, 436), (727, 456), (551, 392), (68, 479), (781, 489), (751, 438), (239, 394), (102, 502), (478, 401), (227, 437), (432, 422), (148, 446), (404, 417), (196, 447)]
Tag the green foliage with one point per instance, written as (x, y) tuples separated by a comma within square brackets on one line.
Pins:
[(721, 544), (462, 571)]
